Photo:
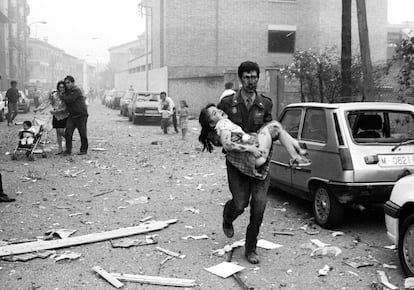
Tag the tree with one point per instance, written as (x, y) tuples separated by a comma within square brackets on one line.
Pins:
[(405, 53)]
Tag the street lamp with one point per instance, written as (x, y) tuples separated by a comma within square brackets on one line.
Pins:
[(143, 11)]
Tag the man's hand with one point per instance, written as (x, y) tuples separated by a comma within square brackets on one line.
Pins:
[(256, 152)]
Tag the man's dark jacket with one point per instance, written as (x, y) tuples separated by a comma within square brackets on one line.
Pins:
[(250, 121), (75, 102)]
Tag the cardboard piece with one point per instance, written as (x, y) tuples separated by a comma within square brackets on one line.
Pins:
[(28, 256)]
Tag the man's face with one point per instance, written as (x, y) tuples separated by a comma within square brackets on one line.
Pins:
[(14, 85), (68, 84), (163, 97), (249, 81)]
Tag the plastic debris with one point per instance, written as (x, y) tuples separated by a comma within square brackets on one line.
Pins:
[(326, 251), (389, 266), (324, 271), (318, 243), (384, 280), (227, 248), (192, 209), (392, 247), (139, 200), (337, 234)]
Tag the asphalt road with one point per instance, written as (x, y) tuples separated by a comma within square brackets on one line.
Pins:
[(178, 182)]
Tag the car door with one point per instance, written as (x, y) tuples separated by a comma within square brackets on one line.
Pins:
[(313, 137), (280, 163)]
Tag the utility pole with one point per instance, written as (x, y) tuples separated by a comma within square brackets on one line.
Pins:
[(346, 51), (368, 87)]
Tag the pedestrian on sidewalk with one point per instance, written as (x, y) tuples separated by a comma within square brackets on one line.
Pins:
[(78, 116), (12, 97), (250, 110), (4, 197), (183, 115), (59, 112)]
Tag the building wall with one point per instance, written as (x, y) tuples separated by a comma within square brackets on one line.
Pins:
[(158, 80), (4, 54)]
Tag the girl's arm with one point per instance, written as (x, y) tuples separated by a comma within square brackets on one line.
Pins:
[(228, 145)]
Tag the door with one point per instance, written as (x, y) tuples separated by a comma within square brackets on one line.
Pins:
[(280, 163)]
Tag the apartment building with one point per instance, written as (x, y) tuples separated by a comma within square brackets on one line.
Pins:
[(197, 44)]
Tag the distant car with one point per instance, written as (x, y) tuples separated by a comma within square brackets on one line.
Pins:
[(145, 108), (125, 101), (358, 151), (23, 104), (2, 108), (115, 102), (399, 219)]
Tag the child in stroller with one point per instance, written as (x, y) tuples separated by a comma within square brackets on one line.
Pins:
[(29, 140)]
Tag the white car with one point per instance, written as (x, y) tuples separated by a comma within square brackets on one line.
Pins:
[(399, 219)]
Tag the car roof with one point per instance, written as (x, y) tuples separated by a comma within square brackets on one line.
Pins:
[(356, 106)]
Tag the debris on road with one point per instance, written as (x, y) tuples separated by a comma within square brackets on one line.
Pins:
[(60, 233), (384, 280), (267, 245), (389, 266), (28, 256), (166, 260), (86, 239), (337, 234), (326, 251), (359, 262), (71, 173), (127, 243), (108, 277), (99, 149), (324, 271), (283, 233), (224, 269), (139, 200), (202, 237), (192, 209), (227, 248), (409, 283), (318, 243), (103, 192), (146, 219), (392, 247), (75, 214), (68, 255), (170, 253), (155, 280)]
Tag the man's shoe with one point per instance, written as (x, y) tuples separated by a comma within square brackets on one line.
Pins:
[(82, 153), (252, 257), (66, 153), (228, 229), (5, 198)]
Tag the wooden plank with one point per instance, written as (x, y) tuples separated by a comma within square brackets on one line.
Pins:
[(86, 239), (108, 277), (155, 280), (170, 253)]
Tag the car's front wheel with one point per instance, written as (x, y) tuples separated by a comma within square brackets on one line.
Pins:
[(406, 245), (327, 210)]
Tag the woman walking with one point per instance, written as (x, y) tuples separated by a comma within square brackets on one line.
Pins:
[(59, 112)]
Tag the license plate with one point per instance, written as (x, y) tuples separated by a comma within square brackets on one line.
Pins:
[(396, 160)]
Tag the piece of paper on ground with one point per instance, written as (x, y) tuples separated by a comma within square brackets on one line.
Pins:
[(224, 269), (268, 245)]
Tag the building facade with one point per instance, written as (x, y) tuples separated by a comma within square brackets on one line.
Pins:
[(199, 42), (48, 64), (14, 33)]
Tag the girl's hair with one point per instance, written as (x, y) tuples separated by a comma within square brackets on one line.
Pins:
[(60, 83), (184, 103), (208, 135)]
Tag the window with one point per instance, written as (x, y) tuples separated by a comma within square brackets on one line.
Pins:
[(281, 38), (291, 120), (314, 127)]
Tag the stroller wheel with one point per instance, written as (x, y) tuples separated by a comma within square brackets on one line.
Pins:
[(31, 157), (14, 156)]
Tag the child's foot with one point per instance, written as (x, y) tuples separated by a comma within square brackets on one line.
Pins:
[(300, 162)]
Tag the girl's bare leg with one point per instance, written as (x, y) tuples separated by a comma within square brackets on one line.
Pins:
[(59, 134)]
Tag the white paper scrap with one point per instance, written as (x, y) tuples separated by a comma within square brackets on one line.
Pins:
[(224, 269), (268, 245)]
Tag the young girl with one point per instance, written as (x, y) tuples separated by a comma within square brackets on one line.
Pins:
[(183, 114), (217, 129)]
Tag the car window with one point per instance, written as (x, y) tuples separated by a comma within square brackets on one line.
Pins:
[(154, 98), (381, 126), (291, 120), (314, 126)]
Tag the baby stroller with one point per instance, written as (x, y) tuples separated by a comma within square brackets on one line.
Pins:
[(37, 146)]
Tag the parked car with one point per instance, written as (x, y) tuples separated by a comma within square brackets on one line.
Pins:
[(399, 219), (115, 102), (24, 102), (125, 101), (358, 151), (2, 108), (145, 107)]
